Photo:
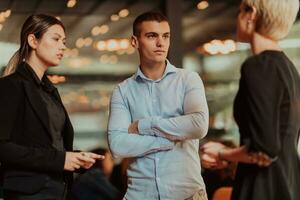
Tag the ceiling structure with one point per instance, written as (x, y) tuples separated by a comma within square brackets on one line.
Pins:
[(217, 21)]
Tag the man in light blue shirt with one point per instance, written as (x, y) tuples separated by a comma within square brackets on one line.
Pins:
[(157, 117)]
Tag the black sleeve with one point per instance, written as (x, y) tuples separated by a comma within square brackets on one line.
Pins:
[(47, 159), (9, 104), (264, 92)]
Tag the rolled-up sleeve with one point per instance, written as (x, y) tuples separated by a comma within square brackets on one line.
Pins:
[(193, 124)]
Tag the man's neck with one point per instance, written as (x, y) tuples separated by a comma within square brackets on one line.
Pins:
[(153, 70)]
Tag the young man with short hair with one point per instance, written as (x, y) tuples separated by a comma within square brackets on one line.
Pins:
[(157, 117)]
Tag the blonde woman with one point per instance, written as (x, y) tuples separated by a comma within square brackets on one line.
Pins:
[(267, 106)]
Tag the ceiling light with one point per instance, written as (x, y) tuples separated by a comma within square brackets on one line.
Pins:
[(71, 3), (103, 29), (80, 42), (114, 17), (124, 13), (112, 45), (95, 30), (202, 5), (7, 13), (88, 41), (101, 45), (124, 43)]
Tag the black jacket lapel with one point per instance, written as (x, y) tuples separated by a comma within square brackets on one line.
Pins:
[(32, 93), (37, 103), (68, 132)]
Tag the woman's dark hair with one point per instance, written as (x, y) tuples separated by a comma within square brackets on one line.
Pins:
[(37, 25)]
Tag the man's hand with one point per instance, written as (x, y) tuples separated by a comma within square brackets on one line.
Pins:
[(134, 128)]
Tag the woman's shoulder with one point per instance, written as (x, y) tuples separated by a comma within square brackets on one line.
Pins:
[(10, 83), (265, 63)]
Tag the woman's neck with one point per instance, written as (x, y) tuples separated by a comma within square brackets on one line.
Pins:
[(261, 43), (38, 67)]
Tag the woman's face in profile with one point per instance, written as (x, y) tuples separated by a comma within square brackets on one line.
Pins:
[(50, 48)]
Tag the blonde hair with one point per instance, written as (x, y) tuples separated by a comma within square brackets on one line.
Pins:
[(274, 17), (12, 64)]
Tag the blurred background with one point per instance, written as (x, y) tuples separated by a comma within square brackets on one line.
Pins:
[(99, 54)]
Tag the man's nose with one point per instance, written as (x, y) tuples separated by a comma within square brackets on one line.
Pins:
[(160, 41)]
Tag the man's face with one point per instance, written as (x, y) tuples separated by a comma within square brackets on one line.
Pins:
[(153, 42)]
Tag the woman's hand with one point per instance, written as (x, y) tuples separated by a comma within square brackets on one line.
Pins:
[(76, 160), (220, 152), (209, 155), (209, 162)]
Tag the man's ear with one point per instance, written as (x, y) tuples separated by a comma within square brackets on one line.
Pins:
[(32, 41), (134, 42)]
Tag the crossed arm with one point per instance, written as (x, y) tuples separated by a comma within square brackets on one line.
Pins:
[(193, 124), (123, 144), (157, 133)]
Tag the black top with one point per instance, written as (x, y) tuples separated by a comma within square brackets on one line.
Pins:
[(55, 110), (93, 184), (267, 111), (27, 154)]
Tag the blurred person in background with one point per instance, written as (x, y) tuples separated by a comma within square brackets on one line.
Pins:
[(119, 176), (36, 135), (94, 183), (267, 106)]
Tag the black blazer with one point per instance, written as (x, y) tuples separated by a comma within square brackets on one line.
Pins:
[(26, 151)]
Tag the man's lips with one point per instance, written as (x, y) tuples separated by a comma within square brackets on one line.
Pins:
[(159, 51)]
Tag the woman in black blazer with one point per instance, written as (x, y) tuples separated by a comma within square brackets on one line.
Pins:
[(36, 135)]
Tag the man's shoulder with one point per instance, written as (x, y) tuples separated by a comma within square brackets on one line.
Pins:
[(185, 73), (125, 84), (127, 81)]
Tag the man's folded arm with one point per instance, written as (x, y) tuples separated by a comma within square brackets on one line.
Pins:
[(193, 124), (123, 144)]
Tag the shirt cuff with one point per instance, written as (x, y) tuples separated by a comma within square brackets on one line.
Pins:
[(166, 144), (145, 126)]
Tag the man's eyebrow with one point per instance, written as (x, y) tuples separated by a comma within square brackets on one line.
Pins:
[(151, 33)]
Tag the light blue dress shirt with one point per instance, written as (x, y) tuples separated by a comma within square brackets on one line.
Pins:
[(173, 115)]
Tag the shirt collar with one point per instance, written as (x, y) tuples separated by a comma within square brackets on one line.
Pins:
[(32, 73), (169, 70)]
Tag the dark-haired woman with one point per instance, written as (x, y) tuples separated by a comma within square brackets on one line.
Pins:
[(36, 135)]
